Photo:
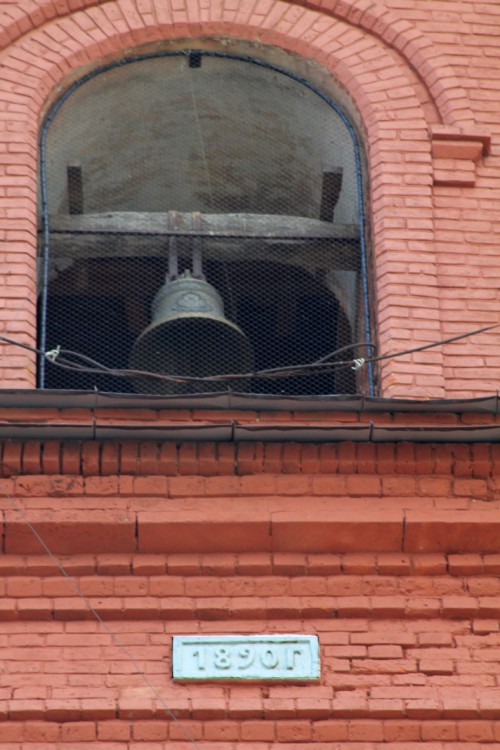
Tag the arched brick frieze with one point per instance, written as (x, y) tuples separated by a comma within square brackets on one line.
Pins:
[(418, 51), (397, 143)]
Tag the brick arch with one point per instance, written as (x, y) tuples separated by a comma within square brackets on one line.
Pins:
[(87, 36), (397, 137), (415, 48), (420, 53)]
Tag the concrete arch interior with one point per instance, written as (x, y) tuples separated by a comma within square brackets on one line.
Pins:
[(134, 152)]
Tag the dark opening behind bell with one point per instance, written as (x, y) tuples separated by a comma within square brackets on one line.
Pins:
[(189, 336)]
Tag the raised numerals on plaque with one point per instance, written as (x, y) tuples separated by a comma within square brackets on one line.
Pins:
[(246, 657)]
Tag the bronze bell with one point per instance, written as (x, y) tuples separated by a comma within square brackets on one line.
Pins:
[(189, 336)]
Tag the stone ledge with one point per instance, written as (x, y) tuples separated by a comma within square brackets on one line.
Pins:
[(258, 524), (455, 155)]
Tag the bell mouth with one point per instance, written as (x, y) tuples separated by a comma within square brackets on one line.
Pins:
[(190, 337), (191, 346)]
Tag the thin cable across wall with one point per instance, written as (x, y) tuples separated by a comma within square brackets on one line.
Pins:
[(79, 362), (95, 614)]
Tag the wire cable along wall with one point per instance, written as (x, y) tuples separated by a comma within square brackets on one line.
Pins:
[(202, 219)]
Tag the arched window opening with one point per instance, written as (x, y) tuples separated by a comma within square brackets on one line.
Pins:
[(229, 191)]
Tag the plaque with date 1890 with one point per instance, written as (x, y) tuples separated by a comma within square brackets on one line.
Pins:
[(246, 657)]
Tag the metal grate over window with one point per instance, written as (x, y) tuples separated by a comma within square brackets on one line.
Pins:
[(227, 191)]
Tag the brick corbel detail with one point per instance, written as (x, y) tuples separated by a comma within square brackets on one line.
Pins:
[(455, 155)]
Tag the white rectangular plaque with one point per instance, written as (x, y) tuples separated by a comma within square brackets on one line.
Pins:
[(246, 657)]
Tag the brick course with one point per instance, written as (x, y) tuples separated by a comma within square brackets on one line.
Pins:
[(409, 640)]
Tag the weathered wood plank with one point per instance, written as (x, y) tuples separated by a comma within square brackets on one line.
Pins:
[(220, 225), (328, 246), (312, 255)]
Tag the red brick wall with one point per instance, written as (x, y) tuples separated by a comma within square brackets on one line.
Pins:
[(389, 553), (389, 673), (423, 77)]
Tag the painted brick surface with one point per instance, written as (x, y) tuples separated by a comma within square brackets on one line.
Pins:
[(409, 636), (423, 78), (389, 552)]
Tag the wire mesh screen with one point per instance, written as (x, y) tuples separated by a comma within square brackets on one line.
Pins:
[(201, 223)]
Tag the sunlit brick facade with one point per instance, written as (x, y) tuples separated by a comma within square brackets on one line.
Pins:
[(370, 522)]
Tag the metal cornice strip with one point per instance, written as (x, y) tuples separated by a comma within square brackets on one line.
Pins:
[(46, 431), (436, 434), (301, 433), (60, 399), (233, 432), (367, 433), (217, 433)]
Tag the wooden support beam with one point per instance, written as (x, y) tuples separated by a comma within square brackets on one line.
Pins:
[(75, 189), (226, 237), (245, 226), (330, 192)]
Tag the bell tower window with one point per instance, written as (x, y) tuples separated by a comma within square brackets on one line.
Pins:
[(201, 219)]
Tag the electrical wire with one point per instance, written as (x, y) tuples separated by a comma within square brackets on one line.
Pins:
[(114, 638), (70, 360)]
